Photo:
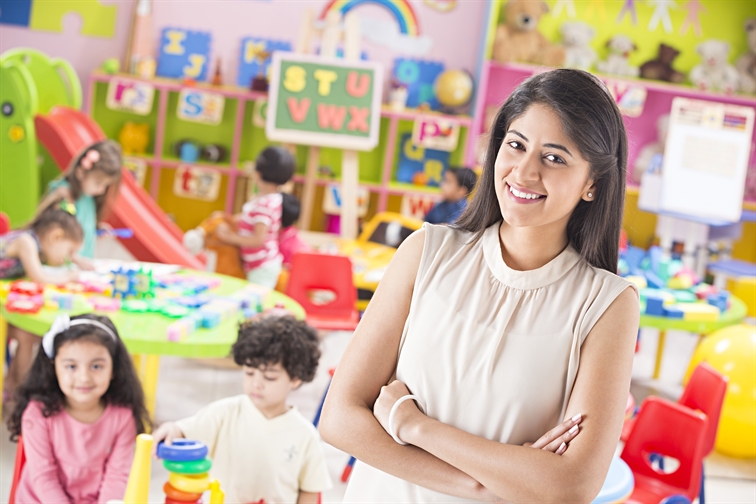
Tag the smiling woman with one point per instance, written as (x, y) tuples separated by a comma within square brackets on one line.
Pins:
[(509, 325)]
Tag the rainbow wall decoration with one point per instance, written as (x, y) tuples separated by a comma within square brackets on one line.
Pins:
[(400, 9)]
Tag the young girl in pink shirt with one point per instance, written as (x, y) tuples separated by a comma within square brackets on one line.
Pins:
[(79, 411)]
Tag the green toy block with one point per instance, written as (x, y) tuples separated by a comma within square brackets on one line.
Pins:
[(97, 20)]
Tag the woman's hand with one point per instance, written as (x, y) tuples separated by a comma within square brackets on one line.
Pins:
[(406, 414), (557, 439)]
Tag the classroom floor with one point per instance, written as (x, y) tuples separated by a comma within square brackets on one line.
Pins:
[(185, 386)]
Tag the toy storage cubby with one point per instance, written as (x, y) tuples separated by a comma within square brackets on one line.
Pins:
[(244, 139)]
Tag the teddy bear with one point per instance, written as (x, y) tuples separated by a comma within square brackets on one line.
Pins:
[(746, 64), (134, 137), (577, 38), (617, 63), (661, 67), (518, 39), (203, 238), (714, 73)]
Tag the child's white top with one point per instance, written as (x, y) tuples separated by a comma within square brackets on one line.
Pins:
[(259, 458), (490, 350)]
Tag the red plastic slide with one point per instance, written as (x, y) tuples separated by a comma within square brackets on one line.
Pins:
[(64, 132)]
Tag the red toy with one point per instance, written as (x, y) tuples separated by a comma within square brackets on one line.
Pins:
[(27, 288), (28, 305)]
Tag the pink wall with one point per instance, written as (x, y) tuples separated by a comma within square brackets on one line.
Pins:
[(455, 35)]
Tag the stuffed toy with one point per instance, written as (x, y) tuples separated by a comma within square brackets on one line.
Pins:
[(577, 38), (661, 67), (652, 152), (746, 64), (714, 73), (617, 63), (203, 237), (518, 39)]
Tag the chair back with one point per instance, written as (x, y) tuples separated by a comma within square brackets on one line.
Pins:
[(310, 271), (671, 430), (705, 392)]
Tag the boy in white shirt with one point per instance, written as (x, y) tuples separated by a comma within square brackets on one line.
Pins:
[(261, 448)]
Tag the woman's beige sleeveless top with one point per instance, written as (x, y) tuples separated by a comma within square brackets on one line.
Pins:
[(491, 350)]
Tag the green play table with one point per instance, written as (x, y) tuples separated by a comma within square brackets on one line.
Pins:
[(145, 336), (734, 315)]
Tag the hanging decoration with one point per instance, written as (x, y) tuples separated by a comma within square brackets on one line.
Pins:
[(599, 8), (567, 5), (661, 14), (694, 7), (628, 8)]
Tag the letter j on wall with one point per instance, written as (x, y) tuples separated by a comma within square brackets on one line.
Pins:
[(324, 102)]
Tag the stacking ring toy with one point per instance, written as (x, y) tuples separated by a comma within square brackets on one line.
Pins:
[(178, 495), (182, 450), (189, 483), (188, 467)]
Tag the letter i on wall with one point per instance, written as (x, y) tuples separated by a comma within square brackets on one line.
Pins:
[(183, 53)]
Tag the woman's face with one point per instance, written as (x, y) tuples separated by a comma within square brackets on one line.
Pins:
[(540, 175)]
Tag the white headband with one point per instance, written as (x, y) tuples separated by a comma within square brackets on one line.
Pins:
[(63, 323)]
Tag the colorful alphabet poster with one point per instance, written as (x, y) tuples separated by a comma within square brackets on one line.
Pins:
[(183, 53), (255, 57), (200, 106), (418, 165), (130, 96), (196, 183), (418, 77), (332, 200), (417, 206), (137, 167), (324, 102), (435, 133)]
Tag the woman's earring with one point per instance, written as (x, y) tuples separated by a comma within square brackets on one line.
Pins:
[(590, 195)]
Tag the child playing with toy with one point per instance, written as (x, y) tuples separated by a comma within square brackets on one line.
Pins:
[(86, 183), (53, 239), (457, 184), (79, 411), (260, 221), (262, 448)]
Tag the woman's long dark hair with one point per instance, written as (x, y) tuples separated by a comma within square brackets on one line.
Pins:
[(591, 119), (41, 383)]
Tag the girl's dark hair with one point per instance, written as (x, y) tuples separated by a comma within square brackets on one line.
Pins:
[(590, 117), (110, 163), (290, 209), (42, 383), (270, 340), (58, 215), (275, 165)]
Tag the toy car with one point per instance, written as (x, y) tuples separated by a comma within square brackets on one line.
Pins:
[(372, 251)]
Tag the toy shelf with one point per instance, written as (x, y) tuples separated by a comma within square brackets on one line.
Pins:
[(499, 80), (244, 137)]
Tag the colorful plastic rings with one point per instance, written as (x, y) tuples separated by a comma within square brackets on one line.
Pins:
[(189, 483), (168, 500), (179, 496), (188, 467), (182, 450)]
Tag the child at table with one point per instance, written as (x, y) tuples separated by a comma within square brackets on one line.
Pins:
[(52, 238), (262, 448), (457, 184), (79, 412), (86, 183), (260, 221)]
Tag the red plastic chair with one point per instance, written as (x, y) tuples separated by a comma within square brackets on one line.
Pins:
[(668, 429), (4, 223), (325, 272), (705, 392), (18, 466)]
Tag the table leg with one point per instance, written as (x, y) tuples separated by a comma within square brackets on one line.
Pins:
[(659, 353), (148, 368), (3, 345)]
